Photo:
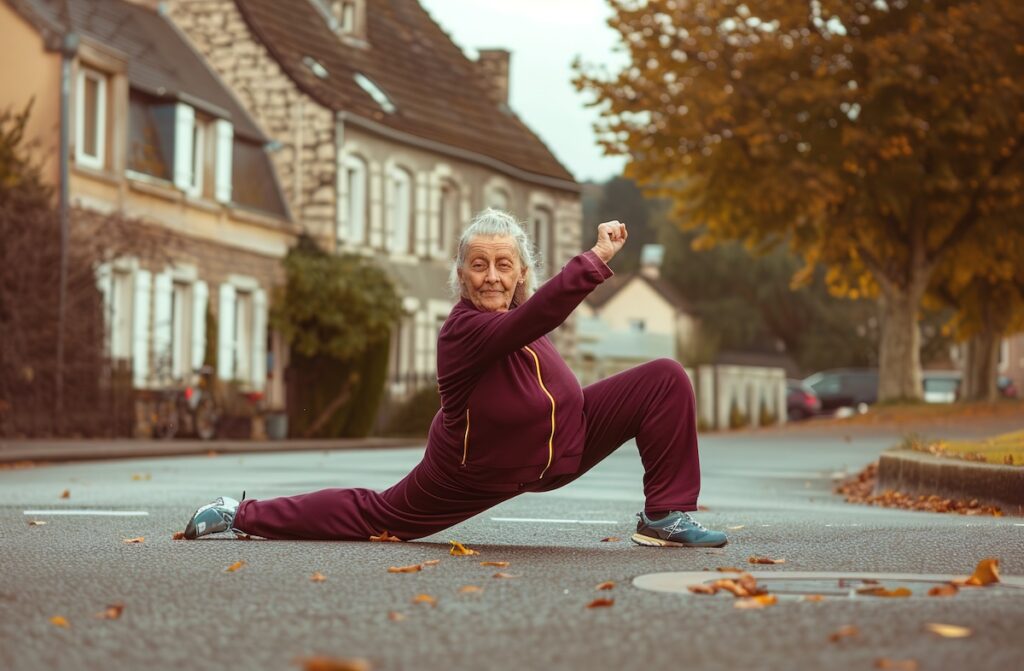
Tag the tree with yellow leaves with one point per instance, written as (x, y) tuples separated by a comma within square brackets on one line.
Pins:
[(875, 137)]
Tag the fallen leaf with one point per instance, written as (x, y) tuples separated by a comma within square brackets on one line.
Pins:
[(318, 577), (412, 568), (949, 589), (731, 586), (499, 564), (112, 612), (948, 630), (759, 601), (729, 569), (321, 663), (395, 616), (703, 509), (242, 537), (66, 494), (881, 591), (60, 621), (611, 539), (754, 559), (897, 664), (178, 536), (234, 567), (36, 523), (424, 598), (470, 589), (141, 476), (846, 631), (601, 603), (703, 589), (608, 584), (134, 541), (749, 583), (736, 528), (385, 537), (432, 562), (502, 574), (985, 573), (460, 550), (814, 597)]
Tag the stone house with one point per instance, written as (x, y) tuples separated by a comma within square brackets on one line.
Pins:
[(155, 135), (388, 140)]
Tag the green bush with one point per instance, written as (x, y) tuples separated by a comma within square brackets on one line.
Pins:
[(737, 418)]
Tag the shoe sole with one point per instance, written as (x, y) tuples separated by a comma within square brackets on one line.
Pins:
[(649, 541)]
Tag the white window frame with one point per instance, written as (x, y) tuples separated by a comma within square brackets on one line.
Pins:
[(499, 198), (243, 346), (401, 224), (449, 198), (121, 301), (198, 139), (352, 229), (98, 159), (542, 232)]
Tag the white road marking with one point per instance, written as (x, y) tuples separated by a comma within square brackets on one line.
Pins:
[(550, 521), (104, 513)]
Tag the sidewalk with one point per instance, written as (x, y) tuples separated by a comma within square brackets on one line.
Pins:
[(13, 451)]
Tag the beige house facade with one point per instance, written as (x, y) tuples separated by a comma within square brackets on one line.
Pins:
[(155, 136), (387, 141)]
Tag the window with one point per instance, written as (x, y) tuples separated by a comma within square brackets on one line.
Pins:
[(121, 315), (541, 234), (243, 336), (202, 156), (346, 13), (352, 230), (91, 119), (498, 199), (400, 206), (448, 219), (150, 135), (181, 331), (375, 92), (252, 179)]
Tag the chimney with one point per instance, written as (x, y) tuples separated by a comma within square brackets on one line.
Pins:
[(651, 257), (493, 65)]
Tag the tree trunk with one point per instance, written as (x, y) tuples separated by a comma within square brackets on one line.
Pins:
[(328, 411), (980, 368), (899, 356)]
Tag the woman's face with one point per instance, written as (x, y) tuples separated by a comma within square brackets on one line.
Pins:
[(491, 272)]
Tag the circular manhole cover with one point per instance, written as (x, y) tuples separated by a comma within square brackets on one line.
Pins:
[(829, 585)]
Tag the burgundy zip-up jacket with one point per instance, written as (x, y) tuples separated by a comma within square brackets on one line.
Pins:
[(511, 410)]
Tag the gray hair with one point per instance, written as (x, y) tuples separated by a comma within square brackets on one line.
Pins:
[(491, 223)]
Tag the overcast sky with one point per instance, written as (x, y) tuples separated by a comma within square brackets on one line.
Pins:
[(544, 36)]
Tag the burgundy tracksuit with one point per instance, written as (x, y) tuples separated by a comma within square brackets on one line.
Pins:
[(513, 419)]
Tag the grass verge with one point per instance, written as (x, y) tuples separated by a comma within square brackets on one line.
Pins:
[(1007, 449)]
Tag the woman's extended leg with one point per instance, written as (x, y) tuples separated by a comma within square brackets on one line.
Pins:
[(422, 503)]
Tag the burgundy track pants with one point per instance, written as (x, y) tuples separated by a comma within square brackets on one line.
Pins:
[(653, 403)]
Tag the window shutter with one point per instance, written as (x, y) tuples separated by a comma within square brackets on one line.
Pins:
[(259, 345), (184, 125), (419, 216), (163, 318), (140, 328), (105, 285), (226, 333), (200, 292), (222, 173)]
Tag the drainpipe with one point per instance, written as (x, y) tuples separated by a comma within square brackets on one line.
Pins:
[(68, 50)]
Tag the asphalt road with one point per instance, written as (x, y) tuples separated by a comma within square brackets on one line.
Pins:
[(183, 611)]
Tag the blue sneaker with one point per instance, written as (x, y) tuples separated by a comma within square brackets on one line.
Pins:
[(676, 530), (213, 518)]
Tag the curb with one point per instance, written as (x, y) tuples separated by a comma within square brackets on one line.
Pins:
[(41, 451), (915, 472)]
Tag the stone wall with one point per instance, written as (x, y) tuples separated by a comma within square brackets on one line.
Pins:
[(305, 161)]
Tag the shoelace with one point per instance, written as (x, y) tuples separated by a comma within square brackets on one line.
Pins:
[(694, 522)]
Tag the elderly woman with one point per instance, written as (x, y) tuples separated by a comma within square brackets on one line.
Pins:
[(513, 418)]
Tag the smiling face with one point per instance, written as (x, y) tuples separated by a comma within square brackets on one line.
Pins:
[(491, 272)]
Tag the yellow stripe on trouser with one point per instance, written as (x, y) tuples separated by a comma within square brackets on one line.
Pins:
[(551, 438)]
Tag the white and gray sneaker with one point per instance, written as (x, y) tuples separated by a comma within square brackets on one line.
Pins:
[(213, 518)]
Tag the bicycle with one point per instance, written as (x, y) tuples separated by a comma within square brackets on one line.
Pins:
[(191, 409)]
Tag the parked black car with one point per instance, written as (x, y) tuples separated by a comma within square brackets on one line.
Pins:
[(801, 401), (844, 387)]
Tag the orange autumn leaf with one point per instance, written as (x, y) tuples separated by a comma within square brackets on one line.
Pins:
[(412, 568), (899, 592), (611, 539), (985, 573), (502, 574), (754, 559), (759, 601), (729, 569), (242, 537), (846, 631), (896, 664), (112, 612), (134, 541), (318, 577), (601, 603), (731, 586), (949, 589), (385, 537), (703, 589), (66, 494), (460, 550), (432, 562), (814, 597), (470, 589), (607, 584), (178, 536), (321, 663), (498, 564), (395, 616), (948, 630), (424, 598), (234, 567), (60, 621)]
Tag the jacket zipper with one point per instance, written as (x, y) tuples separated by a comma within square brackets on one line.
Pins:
[(465, 441), (551, 438)]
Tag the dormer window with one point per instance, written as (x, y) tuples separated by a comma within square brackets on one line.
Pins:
[(375, 92), (91, 119), (348, 17)]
